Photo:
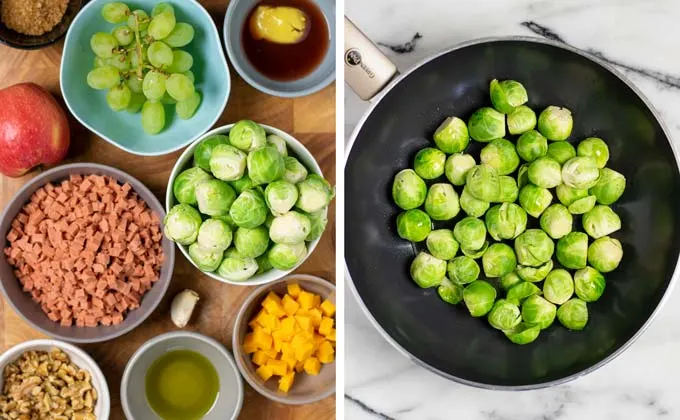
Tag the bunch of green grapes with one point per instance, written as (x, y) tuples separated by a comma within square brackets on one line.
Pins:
[(141, 64)]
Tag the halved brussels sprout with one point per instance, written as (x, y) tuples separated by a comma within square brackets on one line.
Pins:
[(203, 151), (184, 186), (595, 148), (408, 190), (483, 183), (589, 284), (605, 254), (428, 271), (507, 95), (508, 191), (286, 257), (499, 260), (242, 184), (545, 172), (573, 314), (251, 243), (315, 193), (509, 280), (572, 250), (534, 274), (294, 171), (265, 165), (600, 221), (500, 154), (505, 221), (442, 244), (462, 270), (523, 175), (534, 200), (558, 286), (582, 205), (556, 221), (486, 124), (280, 196), (538, 311), (278, 143), (532, 145), (205, 259), (561, 151), (521, 291), (214, 235), (214, 197), (249, 209), (452, 135), (568, 195), (449, 292), (472, 206), (247, 136), (236, 267), (470, 233), (290, 228), (580, 172), (182, 223), (479, 297), (555, 123), (442, 202), (534, 248), (504, 315), (457, 167), (414, 225), (429, 163), (476, 253), (609, 187), (521, 120), (523, 333), (227, 162), (319, 220)]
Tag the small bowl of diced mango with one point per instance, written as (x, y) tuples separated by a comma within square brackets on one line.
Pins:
[(284, 339)]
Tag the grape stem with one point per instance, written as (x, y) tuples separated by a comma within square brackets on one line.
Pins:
[(138, 49)]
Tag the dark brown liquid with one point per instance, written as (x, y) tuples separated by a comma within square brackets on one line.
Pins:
[(287, 62)]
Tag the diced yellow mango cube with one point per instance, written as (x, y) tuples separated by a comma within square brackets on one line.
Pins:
[(290, 305), (290, 360), (300, 367), (249, 345), (325, 353), (328, 308), (306, 300), (305, 351), (277, 341), (302, 311), (262, 339), (305, 322), (317, 301), (294, 289), (326, 326), (318, 339), (288, 325), (312, 366), (286, 349), (271, 353), (316, 315), (279, 367), (265, 372), (274, 306), (286, 382), (331, 335), (260, 358)]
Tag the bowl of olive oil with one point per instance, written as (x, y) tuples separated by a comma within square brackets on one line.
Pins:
[(181, 376)]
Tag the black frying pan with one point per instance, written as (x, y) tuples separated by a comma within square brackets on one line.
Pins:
[(402, 119)]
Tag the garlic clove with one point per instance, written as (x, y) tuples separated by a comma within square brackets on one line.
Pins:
[(182, 307)]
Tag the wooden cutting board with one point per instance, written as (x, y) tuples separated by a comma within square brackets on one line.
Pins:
[(311, 120)]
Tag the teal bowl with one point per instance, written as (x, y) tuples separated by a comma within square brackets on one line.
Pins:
[(122, 129)]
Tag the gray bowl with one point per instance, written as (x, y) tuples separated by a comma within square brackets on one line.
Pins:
[(322, 76), (30, 311)]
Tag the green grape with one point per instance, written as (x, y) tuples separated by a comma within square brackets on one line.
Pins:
[(162, 7), (179, 87), (119, 61), (159, 54), (103, 44), (123, 35), (115, 12), (153, 117), (181, 35), (154, 85), (181, 62), (190, 75), (142, 19), (103, 78), (136, 102), (118, 98), (134, 84), (186, 108), (99, 62), (134, 60), (162, 25), (168, 100)]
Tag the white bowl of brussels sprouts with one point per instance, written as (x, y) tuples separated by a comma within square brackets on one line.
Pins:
[(246, 203)]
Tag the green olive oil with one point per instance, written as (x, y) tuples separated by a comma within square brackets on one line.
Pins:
[(181, 385)]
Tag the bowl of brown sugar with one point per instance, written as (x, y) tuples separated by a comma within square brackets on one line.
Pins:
[(32, 24)]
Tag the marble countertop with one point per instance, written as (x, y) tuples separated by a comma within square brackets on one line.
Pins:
[(641, 39)]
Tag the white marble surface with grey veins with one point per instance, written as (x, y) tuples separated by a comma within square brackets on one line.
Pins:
[(639, 37)]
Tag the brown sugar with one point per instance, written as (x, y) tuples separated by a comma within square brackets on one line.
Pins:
[(32, 17)]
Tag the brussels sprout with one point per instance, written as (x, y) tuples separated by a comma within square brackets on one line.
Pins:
[(236, 267), (408, 190), (247, 136), (589, 284), (278, 143), (290, 228), (472, 206), (476, 253), (532, 145), (504, 315), (555, 123), (251, 243), (568, 195), (483, 183), (227, 162), (509, 280), (580, 172), (521, 291), (269, 220), (521, 120), (214, 197), (263, 264), (462, 270), (214, 235), (582, 205), (315, 193), (182, 223), (452, 135), (505, 221), (507, 95), (226, 219), (561, 151), (600, 221), (523, 175), (544, 172), (319, 220), (605, 254), (572, 250), (242, 184), (500, 154), (429, 163), (442, 202), (449, 292), (294, 171), (534, 200), (558, 287), (534, 248), (556, 221), (609, 187), (280, 196), (205, 259), (249, 209), (499, 260), (523, 333), (573, 314), (428, 271), (595, 148), (470, 233), (442, 244), (203, 151), (184, 186), (538, 311), (534, 274), (486, 124), (457, 167), (286, 257), (479, 297), (414, 225), (265, 165), (508, 190)]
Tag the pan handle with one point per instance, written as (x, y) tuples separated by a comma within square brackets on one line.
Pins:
[(367, 69)]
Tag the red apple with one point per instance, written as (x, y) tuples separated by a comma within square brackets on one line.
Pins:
[(33, 129)]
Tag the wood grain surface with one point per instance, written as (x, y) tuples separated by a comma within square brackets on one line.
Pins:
[(311, 120)]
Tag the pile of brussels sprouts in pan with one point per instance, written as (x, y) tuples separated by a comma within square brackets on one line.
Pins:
[(515, 254), (247, 206)]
